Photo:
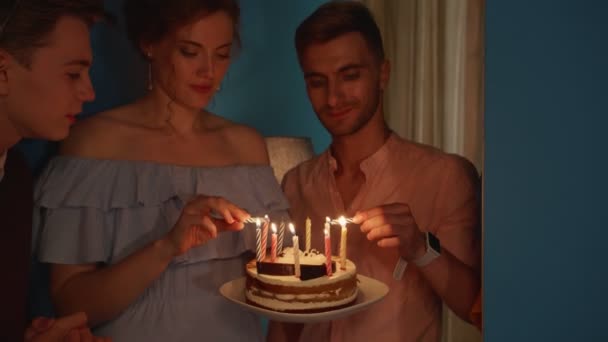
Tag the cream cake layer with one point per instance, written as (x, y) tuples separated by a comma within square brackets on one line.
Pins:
[(292, 294)]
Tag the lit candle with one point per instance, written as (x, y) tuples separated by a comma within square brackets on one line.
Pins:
[(296, 250), (281, 237), (273, 243), (328, 269), (308, 234), (264, 237), (342, 222), (258, 241)]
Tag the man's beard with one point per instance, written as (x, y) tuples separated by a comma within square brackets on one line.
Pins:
[(362, 119)]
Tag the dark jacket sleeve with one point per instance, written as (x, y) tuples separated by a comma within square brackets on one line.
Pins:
[(16, 205)]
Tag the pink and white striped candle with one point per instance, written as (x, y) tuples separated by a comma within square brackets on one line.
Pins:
[(281, 237), (327, 251), (258, 241), (273, 243), (264, 238)]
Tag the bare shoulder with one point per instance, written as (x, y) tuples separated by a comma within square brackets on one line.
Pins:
[(245, 142), (97, 136), (249, 144)]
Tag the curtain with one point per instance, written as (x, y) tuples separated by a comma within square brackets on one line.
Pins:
[(435, 95)]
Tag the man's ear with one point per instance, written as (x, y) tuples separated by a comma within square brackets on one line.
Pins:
[(5, 61), (385, 73)]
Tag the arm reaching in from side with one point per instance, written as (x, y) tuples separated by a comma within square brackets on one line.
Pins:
[(105, 291)]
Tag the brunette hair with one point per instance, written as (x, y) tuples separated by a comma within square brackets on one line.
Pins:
[(26, 24), (148, 21), (336, 18)]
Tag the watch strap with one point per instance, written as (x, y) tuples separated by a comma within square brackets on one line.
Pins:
[(430, 255)]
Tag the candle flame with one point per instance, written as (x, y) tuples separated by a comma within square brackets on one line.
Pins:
[(342, 221), (266, 218), (273, 226), (327, 219), (292, 229)]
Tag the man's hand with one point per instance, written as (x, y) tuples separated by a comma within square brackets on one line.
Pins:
[(393, 226), (71, 328)]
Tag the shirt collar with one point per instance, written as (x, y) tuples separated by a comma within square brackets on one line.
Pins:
[(374, 162)]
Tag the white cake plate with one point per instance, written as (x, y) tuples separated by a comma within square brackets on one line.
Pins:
[(370, 292)]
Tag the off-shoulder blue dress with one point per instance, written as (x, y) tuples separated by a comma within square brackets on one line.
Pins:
[(101, 211)]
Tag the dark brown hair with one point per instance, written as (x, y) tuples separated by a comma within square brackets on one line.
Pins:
[(26, 24), (336, 18), (148, 21)]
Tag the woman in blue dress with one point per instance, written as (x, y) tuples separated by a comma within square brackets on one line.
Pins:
[(123, 214)]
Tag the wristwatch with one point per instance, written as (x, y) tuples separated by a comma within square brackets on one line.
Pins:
[(433, 250)]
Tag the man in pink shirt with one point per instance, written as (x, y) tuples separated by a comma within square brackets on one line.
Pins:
[(396, 190)]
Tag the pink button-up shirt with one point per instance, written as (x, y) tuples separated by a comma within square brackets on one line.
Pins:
[(443, 195)]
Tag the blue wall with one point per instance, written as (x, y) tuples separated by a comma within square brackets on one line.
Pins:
[(266, 78), (264, 87), (545, 174)]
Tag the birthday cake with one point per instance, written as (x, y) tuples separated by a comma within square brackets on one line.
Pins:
[(275, 286)]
